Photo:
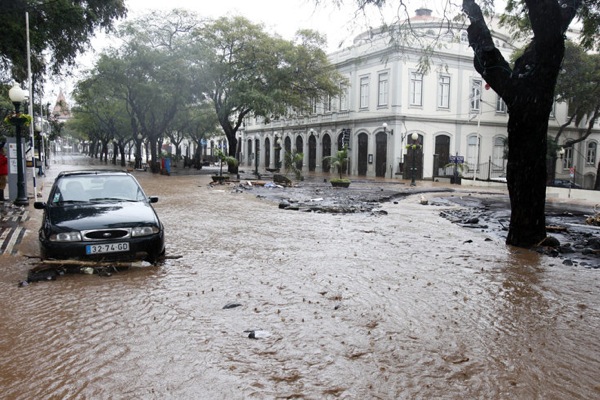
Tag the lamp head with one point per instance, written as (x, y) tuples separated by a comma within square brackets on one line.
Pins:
[(16, 94), (385, 128), (414, 136)]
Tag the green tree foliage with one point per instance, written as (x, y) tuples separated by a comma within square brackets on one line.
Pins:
[(246, 72), (171, 66), (150, 73), (340, 160), (579, 85), (59, 31), (100, 115), (291, 160), (200, 122)]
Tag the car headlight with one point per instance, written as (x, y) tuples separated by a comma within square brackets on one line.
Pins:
[(144, 231), (66, 237)]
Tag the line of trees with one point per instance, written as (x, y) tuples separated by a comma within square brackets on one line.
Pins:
[(179, 76)]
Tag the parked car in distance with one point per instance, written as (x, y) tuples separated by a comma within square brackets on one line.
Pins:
[(100, 215), (565, 183)]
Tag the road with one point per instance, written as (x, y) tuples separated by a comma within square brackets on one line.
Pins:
[(396, 305)]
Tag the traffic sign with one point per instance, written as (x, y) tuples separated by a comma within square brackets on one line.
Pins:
[(457, 159)]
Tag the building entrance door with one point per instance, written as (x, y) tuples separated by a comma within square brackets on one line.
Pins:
[(381, 154)]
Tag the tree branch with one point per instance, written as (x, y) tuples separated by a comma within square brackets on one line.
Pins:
[(488, 61)]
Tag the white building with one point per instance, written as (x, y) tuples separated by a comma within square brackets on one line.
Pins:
[(454, 115)]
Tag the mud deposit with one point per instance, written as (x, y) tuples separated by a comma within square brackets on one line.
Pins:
[(398, 305)]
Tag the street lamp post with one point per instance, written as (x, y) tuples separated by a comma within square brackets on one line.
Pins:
[(138, 152), (278, 152), (17, 96), (414, 137), (256, 156)]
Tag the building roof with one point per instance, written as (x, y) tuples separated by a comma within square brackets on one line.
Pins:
[(61, 108)]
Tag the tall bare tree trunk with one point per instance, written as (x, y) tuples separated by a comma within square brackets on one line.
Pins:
[(528, 90)]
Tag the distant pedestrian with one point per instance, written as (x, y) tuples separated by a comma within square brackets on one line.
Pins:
[(3, 172)]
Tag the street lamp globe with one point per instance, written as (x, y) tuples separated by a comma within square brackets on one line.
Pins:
[(414, 136), (385, 125), (16, 94)]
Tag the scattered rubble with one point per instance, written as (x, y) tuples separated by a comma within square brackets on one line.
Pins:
[(570, 236)]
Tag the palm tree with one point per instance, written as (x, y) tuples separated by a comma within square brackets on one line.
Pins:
[(340, 160), (224, 158), (291, 161)]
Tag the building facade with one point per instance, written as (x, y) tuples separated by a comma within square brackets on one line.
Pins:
[(401, 120)]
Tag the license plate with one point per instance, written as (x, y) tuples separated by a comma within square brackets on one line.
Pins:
[(106, 248)]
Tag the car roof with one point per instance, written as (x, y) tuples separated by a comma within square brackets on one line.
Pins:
[(93, 172)]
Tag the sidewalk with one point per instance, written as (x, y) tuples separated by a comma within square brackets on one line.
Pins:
[(11, 227)]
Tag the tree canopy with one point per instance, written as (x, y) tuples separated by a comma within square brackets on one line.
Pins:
[(59, 31), (172, 67), (247, 72)]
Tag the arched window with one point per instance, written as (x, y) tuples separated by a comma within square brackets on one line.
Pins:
[(499, 153), (472, 150), (568, 158), (590, 155)]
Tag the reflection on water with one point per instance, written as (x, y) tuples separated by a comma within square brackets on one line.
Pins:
[(357, 306)]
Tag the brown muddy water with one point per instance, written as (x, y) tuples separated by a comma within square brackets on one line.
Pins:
[(397, 306)]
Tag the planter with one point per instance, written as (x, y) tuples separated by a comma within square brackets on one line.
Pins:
[(220, 178), (340, 183)]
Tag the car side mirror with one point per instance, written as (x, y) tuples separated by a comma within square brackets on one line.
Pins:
[(153, 199), (39, 205)]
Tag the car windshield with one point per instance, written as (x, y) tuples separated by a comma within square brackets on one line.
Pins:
[(97, 188)]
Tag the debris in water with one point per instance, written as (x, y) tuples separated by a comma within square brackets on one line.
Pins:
[(231, 305), (257, 334)]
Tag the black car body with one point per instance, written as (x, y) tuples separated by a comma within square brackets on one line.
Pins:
[(565, 183), (100, 216)]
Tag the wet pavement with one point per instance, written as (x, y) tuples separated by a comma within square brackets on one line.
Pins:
[(398, 305)]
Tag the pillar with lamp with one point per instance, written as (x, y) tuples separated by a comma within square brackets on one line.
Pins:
[(414, 146), (138, 151), (278, 145), (17, 96), (391, 131)]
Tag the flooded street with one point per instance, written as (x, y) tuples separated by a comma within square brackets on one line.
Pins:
[(399, 306)]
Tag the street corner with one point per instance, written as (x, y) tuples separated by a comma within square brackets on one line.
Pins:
[(11, 227)]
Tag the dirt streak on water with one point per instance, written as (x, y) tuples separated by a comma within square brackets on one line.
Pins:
[(399, 306)]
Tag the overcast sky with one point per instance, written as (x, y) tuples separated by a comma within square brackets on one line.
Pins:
[(283, 17)]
